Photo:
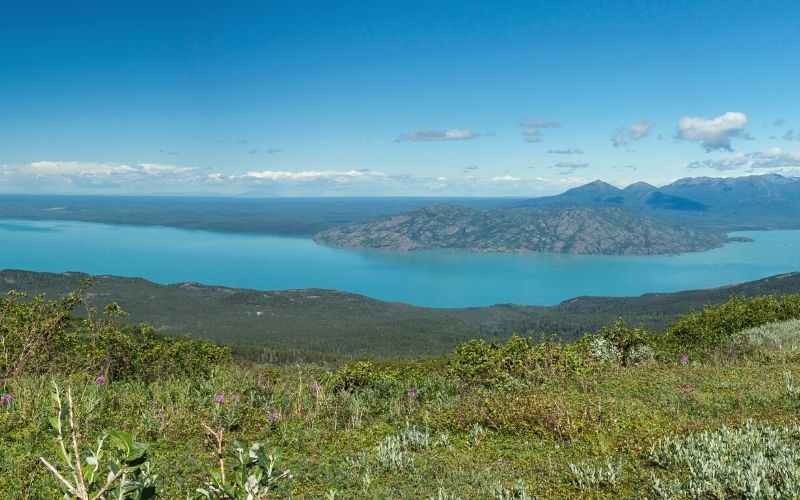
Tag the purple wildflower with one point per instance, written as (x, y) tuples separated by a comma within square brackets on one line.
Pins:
[(273, 415), (685, 359), (6, 399), (160, 416), (412, 393), (100, 380), (219, 398), (314, 388), (235, 399)]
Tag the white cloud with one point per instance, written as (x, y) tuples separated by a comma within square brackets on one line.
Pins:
[(451, 134), (634, 132), (775, 158), (770, 159), (640, 129), (306, 175), (154, 178), (568, 167), (714, 133), (734, 162), (531, 128), (565, 151)]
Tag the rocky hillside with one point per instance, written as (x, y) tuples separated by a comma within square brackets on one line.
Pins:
[(578, 230)]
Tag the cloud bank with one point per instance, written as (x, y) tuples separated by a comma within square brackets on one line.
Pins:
[(450, 134), (773, 159), (715, 133), (150, 178)]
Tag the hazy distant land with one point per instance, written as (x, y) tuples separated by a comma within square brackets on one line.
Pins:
[(688, 215)]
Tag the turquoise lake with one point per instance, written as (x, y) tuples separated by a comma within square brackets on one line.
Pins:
[(433, 278)]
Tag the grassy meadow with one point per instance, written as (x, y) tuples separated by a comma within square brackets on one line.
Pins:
[(706, 409)]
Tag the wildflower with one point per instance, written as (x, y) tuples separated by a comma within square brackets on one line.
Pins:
[(412, 393), (235, 399), (685, 359), (6, 399), (219, 398), (314, 388), (100, 380), (273, 415), (160, 416)]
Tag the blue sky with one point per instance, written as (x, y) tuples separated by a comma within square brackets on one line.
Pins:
[(393, 98)]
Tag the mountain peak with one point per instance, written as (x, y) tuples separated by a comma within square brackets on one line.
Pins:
[(640, 186), (596, 186)]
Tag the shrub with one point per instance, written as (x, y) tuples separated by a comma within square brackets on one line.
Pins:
[(478, 361), (40, 336), (145, 354), (361, 374), (783, 336), (474, 360), (31, 333), (714, 326), (628, 344)]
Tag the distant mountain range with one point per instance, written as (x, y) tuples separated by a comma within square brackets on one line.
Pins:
[(736, 203), (580, 230), (689, 215)]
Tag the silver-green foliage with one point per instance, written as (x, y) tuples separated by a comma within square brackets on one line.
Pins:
[(591, 476), (518, 491), (603, 350), (476, 434), (391, 454), (755, 461), (442, 494), (397, 451), (781, 336)]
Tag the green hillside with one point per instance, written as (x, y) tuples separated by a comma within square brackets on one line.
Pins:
[(341, 323), (706, 408)]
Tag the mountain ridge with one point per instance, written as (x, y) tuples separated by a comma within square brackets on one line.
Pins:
[(577, 230)]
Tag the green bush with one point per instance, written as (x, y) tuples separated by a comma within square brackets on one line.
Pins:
[(41, 336), (713, 326), (362, 374), (478, 361), (623, 344)]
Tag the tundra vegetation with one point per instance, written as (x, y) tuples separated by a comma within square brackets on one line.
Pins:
[(93, 408)]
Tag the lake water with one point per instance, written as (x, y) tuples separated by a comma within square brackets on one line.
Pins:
[(435, 278)]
